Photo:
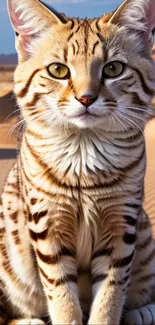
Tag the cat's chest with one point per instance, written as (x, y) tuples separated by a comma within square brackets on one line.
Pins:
[(86, 159)]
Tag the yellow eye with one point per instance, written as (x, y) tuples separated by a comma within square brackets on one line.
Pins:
[(113, 69), (58, 71)]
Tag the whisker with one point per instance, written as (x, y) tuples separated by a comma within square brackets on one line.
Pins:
[(131, 122), (124, 126), (13, 113)]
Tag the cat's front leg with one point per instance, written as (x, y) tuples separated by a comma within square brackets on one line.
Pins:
[(54, 241), (110, 278)]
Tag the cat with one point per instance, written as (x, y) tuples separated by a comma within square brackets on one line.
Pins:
[(75, 243)]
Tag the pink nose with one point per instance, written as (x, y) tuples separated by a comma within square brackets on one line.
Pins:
[(87, 100)]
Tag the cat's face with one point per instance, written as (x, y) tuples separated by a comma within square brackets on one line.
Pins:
[(83, 73)]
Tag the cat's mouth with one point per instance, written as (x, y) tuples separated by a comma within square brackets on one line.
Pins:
[(86, 113)]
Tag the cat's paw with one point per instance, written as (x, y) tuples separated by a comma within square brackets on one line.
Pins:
[(27, 321), (142, 316)]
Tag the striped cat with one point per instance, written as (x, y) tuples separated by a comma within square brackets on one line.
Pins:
[(75, 243)]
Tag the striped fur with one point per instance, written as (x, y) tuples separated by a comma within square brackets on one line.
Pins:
[(74, 239)]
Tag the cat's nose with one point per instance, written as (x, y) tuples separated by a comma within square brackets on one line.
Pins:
[(87, 99)]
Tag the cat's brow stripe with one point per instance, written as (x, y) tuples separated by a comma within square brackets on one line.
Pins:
[(94, 47), (78, 47), (73, 47), (65, 54)]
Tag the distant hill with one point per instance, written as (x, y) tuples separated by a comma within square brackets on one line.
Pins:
[(10, 59)]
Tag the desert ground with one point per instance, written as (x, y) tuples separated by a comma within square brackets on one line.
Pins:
[(8, 141)]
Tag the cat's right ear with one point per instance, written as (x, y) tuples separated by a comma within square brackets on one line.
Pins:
[(137, 16), (29, 18)]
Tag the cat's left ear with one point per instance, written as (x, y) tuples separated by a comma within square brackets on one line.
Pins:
[(29, 18), (138, 16)]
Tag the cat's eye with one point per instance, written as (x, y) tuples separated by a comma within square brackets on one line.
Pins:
[(113, 69), (58, 71)]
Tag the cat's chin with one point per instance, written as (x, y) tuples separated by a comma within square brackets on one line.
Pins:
[(86, 120)]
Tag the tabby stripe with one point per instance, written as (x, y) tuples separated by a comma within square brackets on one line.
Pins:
[(38, 215), (86, 38), (103, 252), (148, 259), (145, 243), (123, 262), (69, 278), (125, 279), (98, 278), (97, 24), (144, 225), (82, 271), (132, 137), (70, 36), (133, 205), (43, 165), (125, 168), (78, 47), (78, 28), (130, 220), (57, 282), (15, 234), (129, 238), (94, 47), (39, 189), (23, 92), (72, 23), (57, 181), (115, 283), (114, 181), (128, 270), (13, 216), (33, 201), (73, 47), (65, 54), (137, 100), (51, 281), (49, 259), (41, 235), (146, 89), (146, 278)]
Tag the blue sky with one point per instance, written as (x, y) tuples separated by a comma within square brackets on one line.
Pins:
[(76, 8)]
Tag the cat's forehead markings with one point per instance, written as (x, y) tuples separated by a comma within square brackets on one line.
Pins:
[(90, 37)]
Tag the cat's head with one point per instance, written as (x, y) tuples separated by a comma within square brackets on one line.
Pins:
[(84, 73)]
